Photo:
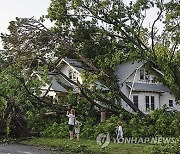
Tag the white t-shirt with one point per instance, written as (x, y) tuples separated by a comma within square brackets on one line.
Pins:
[(71, 119)]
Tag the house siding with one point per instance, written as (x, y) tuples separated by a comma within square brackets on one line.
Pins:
[(165, 100), (141, 99)]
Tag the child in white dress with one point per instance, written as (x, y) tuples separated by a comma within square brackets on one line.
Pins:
[(119, 131), (77, 128)]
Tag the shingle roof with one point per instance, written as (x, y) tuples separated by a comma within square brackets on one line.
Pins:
[(148, 87), (124, 70), (73, 62), (56, 86), (59, 84)]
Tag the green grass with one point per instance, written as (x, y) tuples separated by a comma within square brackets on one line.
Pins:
[(89, 146)]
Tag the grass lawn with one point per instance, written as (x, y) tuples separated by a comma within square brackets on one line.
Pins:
[(89, 146)]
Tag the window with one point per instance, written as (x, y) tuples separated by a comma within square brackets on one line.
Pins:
[(147, 102), (70, 74), (74, 75), (152, 103), (141, 74), (135, 100), (144, 75), (170, 103), (147, 77)]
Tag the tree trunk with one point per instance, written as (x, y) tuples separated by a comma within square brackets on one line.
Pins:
[(103, 115)]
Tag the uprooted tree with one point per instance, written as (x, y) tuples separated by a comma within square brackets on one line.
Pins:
[(101, 34)]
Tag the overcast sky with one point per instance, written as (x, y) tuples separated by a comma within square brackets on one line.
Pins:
[(10, 9)]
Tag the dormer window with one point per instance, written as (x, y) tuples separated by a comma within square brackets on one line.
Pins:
[(72, 74), (141, 74), (144, 75), (147, 76)]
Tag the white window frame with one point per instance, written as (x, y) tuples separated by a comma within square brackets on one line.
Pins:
[(70, 74), (143, 75), (150, 103)]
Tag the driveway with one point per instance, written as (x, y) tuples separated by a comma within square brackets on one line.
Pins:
[(22, 149)]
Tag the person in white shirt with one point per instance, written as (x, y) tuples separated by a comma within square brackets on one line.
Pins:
[(119, 131), (71, 116)]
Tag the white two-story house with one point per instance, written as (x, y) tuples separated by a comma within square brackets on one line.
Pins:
[(142, 90)]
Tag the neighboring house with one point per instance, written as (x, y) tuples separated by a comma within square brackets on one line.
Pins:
[(59, 85), (140, 88), (135, 83), (71, 68)]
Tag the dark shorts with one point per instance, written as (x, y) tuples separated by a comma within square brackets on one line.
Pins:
[(71, 127)]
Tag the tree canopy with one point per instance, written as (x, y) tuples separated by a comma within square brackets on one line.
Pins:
[(110, 32), (101, 34)]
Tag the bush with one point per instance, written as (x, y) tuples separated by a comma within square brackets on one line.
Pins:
[(158, 123), (56, 131), (168, 148), (108, 126)]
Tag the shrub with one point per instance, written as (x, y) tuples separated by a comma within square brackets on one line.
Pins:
[(56, 131), (158, 123), (108, 126), (168, 148)]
